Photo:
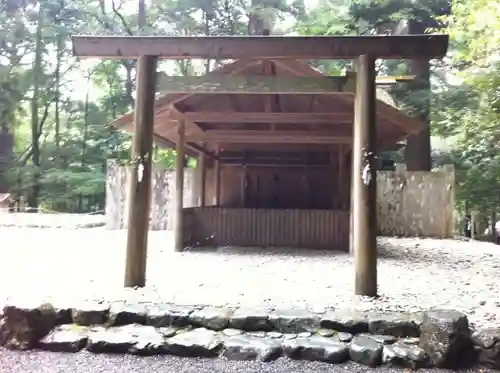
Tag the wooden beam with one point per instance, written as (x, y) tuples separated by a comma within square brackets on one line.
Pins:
[(394, 79), (346, 131), (177, 115), (276, 157), (252, 84), (140, 176), (201, 150), (179, 189), (364, 199), (270, 137), (237, 47), (192, 150), (259, 117)]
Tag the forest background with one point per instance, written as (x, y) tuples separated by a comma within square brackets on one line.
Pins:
[(57, 109)]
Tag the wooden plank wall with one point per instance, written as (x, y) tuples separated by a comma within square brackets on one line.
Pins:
[(275, 187), (315, 229)]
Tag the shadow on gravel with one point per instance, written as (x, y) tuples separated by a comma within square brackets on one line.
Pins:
[(413, 254), (385, 251), (271, 251)]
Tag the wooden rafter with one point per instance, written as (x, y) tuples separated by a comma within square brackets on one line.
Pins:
[(273, 47), (238, 132), (340, 104), (192, 149), (259, 117), (164, 103), (269, 137), (403, 121)]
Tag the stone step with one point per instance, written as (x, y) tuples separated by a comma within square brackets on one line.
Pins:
[(235, 344), (442, 338), (219, 318)]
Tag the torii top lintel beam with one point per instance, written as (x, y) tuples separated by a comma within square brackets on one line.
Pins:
[(272, 47)]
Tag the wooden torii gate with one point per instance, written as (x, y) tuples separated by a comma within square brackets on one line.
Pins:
[(364, 49)]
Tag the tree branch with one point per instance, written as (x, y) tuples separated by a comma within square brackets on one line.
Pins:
[(119, 15), (28, 152), (44, 117)]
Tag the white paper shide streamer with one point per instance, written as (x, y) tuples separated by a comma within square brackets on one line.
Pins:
[(140, 172), (366, 176)]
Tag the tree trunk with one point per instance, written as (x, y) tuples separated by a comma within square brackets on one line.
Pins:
[(59, 52), (6, 151), (207, 33), (474, 226), (35, 127), (418, 147), (129, 83), (141, 17), (85, 124), (493, 230), (468, 221), (261, 20)]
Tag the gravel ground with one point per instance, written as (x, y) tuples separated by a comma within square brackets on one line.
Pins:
[(46, 362), (67, 265)]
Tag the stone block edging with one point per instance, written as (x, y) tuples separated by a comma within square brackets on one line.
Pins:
[(436, 338)]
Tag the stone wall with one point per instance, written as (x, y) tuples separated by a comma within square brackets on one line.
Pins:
[(409, 203), (416, 203), (162, 196)]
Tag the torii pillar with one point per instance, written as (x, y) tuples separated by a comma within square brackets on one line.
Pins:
[(140, 176), (364, 180)]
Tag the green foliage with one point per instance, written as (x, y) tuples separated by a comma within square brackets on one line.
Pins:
[(63, 140), (474, 26), (381, 12), (467, 110), (477, 153)]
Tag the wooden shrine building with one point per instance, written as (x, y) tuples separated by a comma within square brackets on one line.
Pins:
[(287, 155)]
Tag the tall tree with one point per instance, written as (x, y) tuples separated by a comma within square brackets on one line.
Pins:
[(35, 119)]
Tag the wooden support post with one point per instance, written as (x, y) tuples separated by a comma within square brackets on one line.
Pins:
[(243, 185), (217, 181), (340, 178), (364, 201), (351, 203), (203, 179), (140, 176), (179, 187)]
